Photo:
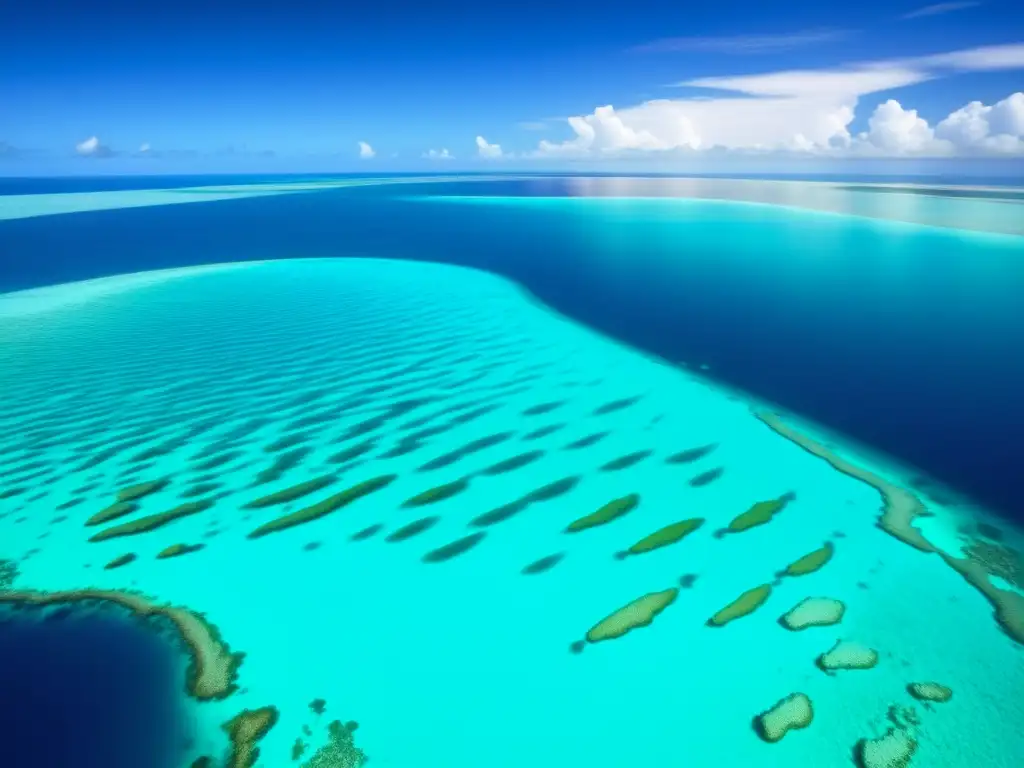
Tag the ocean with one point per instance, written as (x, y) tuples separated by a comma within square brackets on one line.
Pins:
[(408, 439)]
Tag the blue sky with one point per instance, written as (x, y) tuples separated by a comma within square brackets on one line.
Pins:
[(263, 86)]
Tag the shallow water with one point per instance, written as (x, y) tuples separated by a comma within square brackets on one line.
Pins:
[(405, 489)]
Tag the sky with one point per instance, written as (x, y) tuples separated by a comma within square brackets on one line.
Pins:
[(96, 86)]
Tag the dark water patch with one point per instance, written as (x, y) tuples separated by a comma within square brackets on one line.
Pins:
[(363, 428), (245, 429), (217, 461), (112, 512), (704, 478), (624, 462), (283, 463), (90, 689), (70, 503), (691, 454), (616, 405), (352, 452), (553, 490), (403, 447), (199, 489), (543, 564), (990, 532), (500, 514), (513, 463), (686, 581), (541, 408), (455, 548), (140, 490), (473, 415), (586, 442), (287, 441), (437, 493), (412, 529), (86, 488), (10, 493), (550, 429), (480, 444), (158, 450), (366, 532)]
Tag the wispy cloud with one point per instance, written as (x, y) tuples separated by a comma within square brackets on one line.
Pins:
[(92, 147), (533, 125), (435, 154), (937, 9), (743, 44), (366, 152)]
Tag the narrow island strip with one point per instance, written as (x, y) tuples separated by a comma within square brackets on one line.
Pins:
[(213, 668), (900, 508)]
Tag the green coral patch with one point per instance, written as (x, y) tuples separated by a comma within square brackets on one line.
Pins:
[(606, 514), (152, 522), (141, 489), (742, 606), (114, 511), (323, 508), (810, 562), (438, 493), (292, 492), (662, 537)]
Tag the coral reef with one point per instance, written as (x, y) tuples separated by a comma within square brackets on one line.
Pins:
[(8, 573), (810, 562), (117, 562), (176, 550), (760, 513), (662, 537), (152, 522), (135, 492), (340, 751), (114, 511), (813, 612), (893, 750), (791, 713), (323, 508), (933, 692), (743, 605), (611, 511), (438, 493), (638, 613), (292, 492), (245, 730), (846, 654), (998, 560)]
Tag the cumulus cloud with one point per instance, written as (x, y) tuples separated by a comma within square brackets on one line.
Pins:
[(366, 151), (939, 9), (489, 151), (144, 148), (438, 154), (806, 111), (742, 44), (92, 147)]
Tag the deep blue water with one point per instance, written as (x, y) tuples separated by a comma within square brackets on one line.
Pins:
[(88, 690), (912, 345)]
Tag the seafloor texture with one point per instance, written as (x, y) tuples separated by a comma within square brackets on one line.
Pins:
[(401, 511)]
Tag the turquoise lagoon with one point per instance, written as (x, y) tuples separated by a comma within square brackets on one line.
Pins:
[(418, 439)]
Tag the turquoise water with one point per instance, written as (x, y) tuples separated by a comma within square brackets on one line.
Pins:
[(447, 625)]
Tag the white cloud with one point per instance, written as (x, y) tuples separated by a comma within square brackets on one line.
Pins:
[(489, 151), (435, 154), (742, 44), (806, 111), (144, 148), (366, 151), (940, 8), (92, 147)]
